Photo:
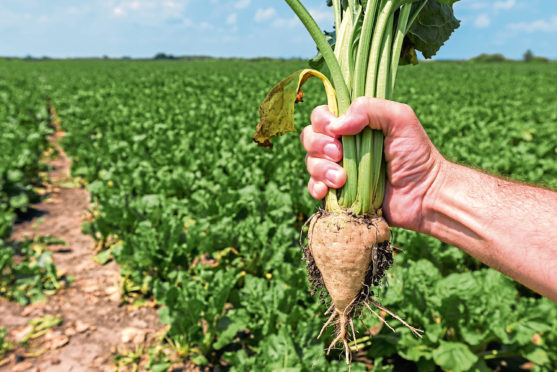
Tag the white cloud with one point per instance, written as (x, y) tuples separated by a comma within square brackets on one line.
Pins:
[(119, 11), (241, 4), (149, 9), (539, 25), (321, 15), (188, 23), (77, 10), (173, 5), (206, 26), (232, 19), (504, 5), (472, 4), (287, 23), (202, 25), (478, 6), (126, 7), (262, 15), (482, 21)]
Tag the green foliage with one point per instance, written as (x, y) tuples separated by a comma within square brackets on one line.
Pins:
[(528, 56), (23, 131), (5, 344), (540, 59), (497, 57), (433, 26), (27, 272), (163, 56), (208, 223)]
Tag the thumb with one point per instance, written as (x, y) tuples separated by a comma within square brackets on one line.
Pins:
[(378, 113), (349, 124)]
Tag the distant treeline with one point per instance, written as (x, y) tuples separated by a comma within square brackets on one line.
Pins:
[(484, 57), (165, 56), (158, 56), (527, 57)]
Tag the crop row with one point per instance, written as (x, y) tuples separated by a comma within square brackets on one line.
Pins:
[(207, 223), (26, 270)]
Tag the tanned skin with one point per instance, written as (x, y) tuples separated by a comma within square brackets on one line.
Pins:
[(509, 226)]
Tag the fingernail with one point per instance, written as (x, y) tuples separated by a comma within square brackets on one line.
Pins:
[(332, 176), (331, 150)]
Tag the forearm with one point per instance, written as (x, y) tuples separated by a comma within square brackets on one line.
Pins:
[(509, 226)]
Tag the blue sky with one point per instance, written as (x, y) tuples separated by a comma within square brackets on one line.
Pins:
[(242, 28)]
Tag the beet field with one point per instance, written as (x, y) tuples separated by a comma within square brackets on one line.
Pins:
[(188, 232)]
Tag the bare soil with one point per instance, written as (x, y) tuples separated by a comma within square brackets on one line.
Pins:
[(94, 322)]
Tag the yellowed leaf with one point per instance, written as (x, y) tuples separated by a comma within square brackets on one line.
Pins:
[(276, 112)]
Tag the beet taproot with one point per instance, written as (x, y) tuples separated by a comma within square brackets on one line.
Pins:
[(348, 255)]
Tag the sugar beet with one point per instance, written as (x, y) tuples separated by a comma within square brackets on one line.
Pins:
[(348, 254)]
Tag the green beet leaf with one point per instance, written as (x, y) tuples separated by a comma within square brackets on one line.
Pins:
[(433, 26), (454, 356)]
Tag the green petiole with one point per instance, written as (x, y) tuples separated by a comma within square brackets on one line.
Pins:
[(343, 95), (363, 201), (400, 33), (363, 49), (376, 47), (343, 98)]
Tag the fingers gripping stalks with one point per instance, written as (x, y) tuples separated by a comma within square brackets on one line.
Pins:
[(348, 255), (349, 248)]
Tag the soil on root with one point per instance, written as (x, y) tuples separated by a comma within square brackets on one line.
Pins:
[(381, 262), (345, 243)]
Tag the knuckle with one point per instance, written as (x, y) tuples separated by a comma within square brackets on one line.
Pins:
[(318, 114), (314, 145), (315, 167), (401, 115), (361, 103), (304, 136), (404, 110), (310, 164), (315, 113), (310, 144)]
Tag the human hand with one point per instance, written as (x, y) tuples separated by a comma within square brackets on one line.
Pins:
[(413, 163)]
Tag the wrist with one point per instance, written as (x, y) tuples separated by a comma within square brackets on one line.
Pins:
[(434, 196), (451, 209)]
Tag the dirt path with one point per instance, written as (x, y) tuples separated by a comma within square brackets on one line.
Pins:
[(93, 321)]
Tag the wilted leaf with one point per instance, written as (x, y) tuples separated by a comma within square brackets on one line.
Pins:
[(276, 112)]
